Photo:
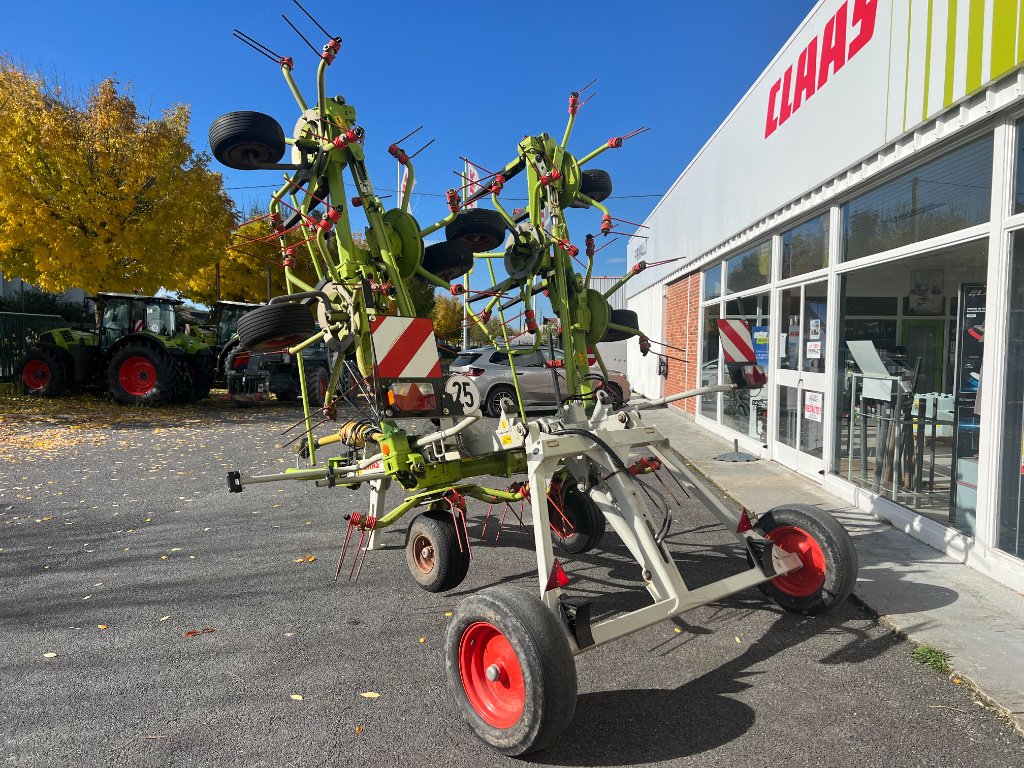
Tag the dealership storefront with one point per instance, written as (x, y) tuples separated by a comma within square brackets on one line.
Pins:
[(862, 210)]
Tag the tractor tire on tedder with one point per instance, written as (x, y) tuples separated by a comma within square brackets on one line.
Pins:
[(509, 653)]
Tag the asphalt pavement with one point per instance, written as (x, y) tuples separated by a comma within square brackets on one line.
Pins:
[(193, 627)]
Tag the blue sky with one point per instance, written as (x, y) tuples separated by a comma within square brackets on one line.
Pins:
[(478, 76)]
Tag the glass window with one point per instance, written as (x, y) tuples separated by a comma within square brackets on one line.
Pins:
[(805, 248), (746, 411), (815, 319), (787, 415), (749, 269), (1010, 534), (713, 282), (709, 360), (906, 421), (1018, 188), (949, 193), (789, 355), (468, 358)]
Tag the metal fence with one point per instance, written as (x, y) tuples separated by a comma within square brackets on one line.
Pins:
[(15, 329)]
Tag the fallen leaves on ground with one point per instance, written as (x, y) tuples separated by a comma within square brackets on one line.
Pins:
[(296, 697), (203, 631), (49, 655), (370, 695)]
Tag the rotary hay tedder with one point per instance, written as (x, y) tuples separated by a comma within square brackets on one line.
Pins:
[(509, 653)]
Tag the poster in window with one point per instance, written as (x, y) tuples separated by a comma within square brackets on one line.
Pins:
[(813, 402), (759, 334), (925, 294)]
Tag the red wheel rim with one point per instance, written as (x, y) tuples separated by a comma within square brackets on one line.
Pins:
[(485, 653), (137, 375), (808, 580), (423, 553), (323, 387), (35, 375)]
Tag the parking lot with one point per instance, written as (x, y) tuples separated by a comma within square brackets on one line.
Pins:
[(149, 617)]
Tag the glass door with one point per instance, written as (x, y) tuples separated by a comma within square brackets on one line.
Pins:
[(801, 382)]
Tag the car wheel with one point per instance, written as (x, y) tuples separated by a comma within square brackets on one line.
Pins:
[(495, 398)]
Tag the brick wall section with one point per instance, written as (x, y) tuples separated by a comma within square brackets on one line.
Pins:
[(682, 331)]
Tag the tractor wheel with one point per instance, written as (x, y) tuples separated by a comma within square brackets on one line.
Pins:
[(437, 557), (581, 523), (202, 369), (317, 379), (826, 550), (511, 669), (141, 375), (479, 228), (626, 317), (275, 327), (596, 184), (246, 140), (448, 260), (42, 372)]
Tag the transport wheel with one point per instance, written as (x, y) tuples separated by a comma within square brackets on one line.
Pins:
[(141, 375), (596, 184), (42, 373), (448, 260), (586, 523), (616, 394), (511, 669), (246, 140), (433, 553), (275, 327), (626, 317), (496, 398), (826, 550), (480, 228)]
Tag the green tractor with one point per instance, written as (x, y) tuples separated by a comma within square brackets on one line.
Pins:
[(135, 351)]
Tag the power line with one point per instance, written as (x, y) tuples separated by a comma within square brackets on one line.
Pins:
[(435, 194)]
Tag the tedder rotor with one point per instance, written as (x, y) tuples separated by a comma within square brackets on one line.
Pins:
[(509, 653)]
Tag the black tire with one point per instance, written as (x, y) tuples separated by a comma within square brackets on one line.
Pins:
[(480, 228), (448, 260), (436, 553), (317, 379), (626, 317), (615, 391), (139, 374), (596, 184), (586, 523), (526, 649), (497, 393), (42, 372), (247, 140), (202, 369), (828, 575), (275, 327)]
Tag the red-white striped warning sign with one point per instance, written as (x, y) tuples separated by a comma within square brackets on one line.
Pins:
[(405, 347), (737, 343)]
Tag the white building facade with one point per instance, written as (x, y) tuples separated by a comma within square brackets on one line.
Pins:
[(862, 209)]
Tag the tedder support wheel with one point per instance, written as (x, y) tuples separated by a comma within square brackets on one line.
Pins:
[(829, 559), (479, 228), (448, 260), (275, 327), (626, 317), (581, 523), (142, 375), (246, 140), (42, 372), (596, 184), (436, 557), (511, 669)]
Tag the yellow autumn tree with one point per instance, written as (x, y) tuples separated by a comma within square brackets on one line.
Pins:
[(447, 317), (99, 196)]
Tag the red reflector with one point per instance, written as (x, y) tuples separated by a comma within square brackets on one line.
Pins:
[(475, 372), (558, 578), (744, 524)]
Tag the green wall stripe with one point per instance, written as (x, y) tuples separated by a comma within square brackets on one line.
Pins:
[(975, 44), (1004, 36), (927, 63), (906, 74), (947, 90)]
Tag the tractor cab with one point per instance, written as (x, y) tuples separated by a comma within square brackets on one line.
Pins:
[(227, 314), (124, 314)]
